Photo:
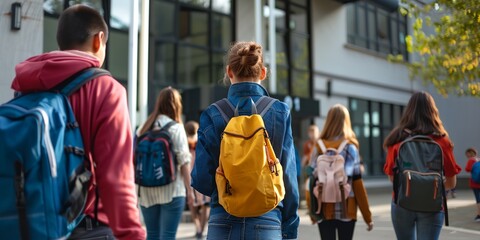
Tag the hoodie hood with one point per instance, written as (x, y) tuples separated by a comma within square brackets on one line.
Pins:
[(44, 71)]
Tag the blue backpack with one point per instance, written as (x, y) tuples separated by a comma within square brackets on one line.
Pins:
[(476, 172), (44, 176), (155, 161)]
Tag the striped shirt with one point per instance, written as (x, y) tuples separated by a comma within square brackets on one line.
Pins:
[(150, 196)]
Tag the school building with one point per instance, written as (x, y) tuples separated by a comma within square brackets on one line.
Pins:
[(318, 52)]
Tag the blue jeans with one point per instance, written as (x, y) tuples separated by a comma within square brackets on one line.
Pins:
[(476, 192), (410, 225), (162, 220), (225, 226)]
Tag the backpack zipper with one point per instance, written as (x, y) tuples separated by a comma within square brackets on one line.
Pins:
[(46, 131)]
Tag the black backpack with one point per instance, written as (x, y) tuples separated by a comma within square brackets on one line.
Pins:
[(418, 176)]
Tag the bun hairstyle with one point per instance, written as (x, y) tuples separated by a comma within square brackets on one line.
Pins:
[(245, 60)]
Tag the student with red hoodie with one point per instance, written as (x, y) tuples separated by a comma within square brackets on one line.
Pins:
[(100, 108)]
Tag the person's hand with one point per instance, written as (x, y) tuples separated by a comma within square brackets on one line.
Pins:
[(190, 198), (369, 226)]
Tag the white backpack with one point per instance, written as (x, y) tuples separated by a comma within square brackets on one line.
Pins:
[(332, 185)]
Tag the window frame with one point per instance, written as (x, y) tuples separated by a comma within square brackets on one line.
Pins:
[(357, 37)]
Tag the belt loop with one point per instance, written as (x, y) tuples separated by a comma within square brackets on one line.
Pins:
[(88, 223)]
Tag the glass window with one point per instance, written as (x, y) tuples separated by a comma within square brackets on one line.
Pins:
[(282, 80), (120, 14), (222, 6), (193, 67), (372, 27), (53, 6), (117, 56), (300, 2), (199, 3), (300, 83), (386, 113), (221, 31), (281, 50), (162, 12), (197, 35), (372, 122), (193, 27), (298, 20), (163, 69), (300, 52), (292, 46), (49, 34), (218, 66)]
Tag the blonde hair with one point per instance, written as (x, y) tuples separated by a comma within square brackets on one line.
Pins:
[(338, 124)]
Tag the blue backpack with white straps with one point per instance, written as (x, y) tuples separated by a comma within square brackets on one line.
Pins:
[(44, 177)]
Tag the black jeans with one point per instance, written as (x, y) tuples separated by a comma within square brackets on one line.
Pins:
[(89, 229), (329, 228)]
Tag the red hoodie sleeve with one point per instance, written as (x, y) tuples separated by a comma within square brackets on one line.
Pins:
[(105, 126), (450, 166), (390, 160)]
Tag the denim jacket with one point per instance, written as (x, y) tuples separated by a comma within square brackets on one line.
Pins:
[(278, 124)]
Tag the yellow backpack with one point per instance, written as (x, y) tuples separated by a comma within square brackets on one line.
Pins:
[(249, 176)]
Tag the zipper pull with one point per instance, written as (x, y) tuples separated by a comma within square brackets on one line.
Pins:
[(407, 194), (435, 188)]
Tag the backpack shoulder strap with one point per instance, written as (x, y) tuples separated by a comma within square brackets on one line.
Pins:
[(342, 146), (263, 104), (322, 145), (168, 125), (225, 108), (80, 78)]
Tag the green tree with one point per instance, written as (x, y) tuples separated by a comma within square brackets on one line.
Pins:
[(446, 42)]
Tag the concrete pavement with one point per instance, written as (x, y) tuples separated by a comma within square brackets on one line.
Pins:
[(461, 209)]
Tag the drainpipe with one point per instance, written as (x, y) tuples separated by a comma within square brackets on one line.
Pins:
[(143, 63), (273, 47), (132, 63)]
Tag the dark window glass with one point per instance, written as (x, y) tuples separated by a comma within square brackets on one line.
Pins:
[(163, 68), (300, 81), (117, 54), (162, 13), (193, 27), (218, 66), (298, 20), (300, 2), (300, 52), (387, 113), (292, 46), (372, 122), (372, 27), (199, 3), (281, 50), (221, 31), (282, 80), (193, 67)]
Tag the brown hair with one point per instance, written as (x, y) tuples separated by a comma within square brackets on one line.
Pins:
[(169, 102), (191, 128), (245, 59), (420, 117), (471, 150), (77, 24), (338, 124)]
